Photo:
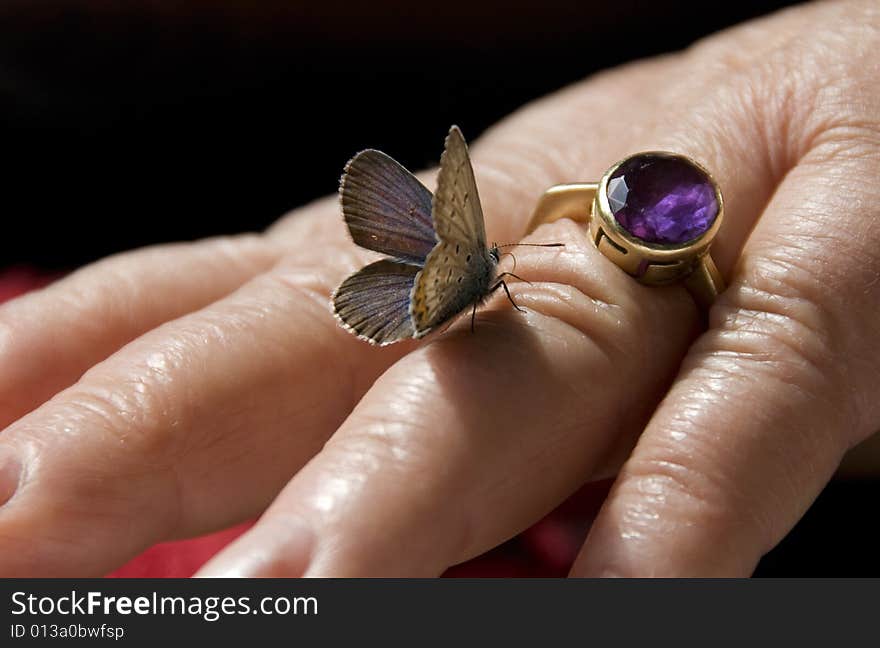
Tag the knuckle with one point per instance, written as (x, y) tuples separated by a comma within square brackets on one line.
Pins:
[(576, 287), (775, 311), (306, 282), (396, 450), (788, 92), (134, 410), (12, 329), (659, 478), (250, 252), (378, 454), (307, 273), (773, 329), (663, 494), (359, 457), (845, 148), (153, 396), (107, 427), (828, 100), (379, 442), (308, 292)]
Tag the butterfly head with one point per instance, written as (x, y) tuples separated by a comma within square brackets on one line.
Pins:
[(494, 253)]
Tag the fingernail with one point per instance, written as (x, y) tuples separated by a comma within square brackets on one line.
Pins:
[(10, 473), (270, 551)]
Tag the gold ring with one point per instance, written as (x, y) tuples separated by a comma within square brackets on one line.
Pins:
[(654, 214)]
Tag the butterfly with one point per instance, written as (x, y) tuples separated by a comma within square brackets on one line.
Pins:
[(439, 262)]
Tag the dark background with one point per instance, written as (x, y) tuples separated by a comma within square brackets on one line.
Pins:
[(130, 122)]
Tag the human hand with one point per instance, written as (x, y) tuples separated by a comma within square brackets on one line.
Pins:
[(194, 383)]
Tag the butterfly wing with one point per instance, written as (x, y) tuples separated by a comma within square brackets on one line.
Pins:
[(374, 303), (386, 208), (456, 210), (459, 269)]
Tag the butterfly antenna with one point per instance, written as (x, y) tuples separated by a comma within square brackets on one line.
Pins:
[(531, 245), (510, 254)]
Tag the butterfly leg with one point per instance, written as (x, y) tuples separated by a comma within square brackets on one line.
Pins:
[(473, 316), (510, 274), (502, 284)]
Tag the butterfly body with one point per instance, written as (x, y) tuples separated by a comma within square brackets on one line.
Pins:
[(440, 263), (454, 279)]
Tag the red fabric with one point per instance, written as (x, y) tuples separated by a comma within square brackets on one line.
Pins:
[(18, 280), (547, 549)]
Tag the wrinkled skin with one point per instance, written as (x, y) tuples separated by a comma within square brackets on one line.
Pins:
[(171, 391)]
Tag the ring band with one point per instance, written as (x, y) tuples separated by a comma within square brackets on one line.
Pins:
[(654, 214)]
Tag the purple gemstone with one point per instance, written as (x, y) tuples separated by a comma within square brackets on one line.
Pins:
[(661, 199)]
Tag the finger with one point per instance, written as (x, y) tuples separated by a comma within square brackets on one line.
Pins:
[(780, 387), (48, 338), (758, 421), (191, 427), (470, 438)]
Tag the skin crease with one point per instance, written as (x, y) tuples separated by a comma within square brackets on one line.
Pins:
[(176, 412)]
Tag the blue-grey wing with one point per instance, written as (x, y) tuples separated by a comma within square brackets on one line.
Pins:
[(373, 303), (457, 214), (386, 208)]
